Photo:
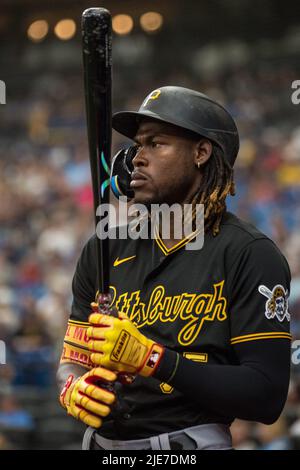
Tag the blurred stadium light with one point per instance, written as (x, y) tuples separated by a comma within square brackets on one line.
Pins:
[(38, 30), (122, 24), (65, 29), (151, 21)]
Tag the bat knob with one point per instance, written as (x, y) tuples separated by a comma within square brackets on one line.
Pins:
[(103, 299), (103, 305)]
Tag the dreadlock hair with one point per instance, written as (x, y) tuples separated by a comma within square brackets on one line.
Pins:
[(216, 183)]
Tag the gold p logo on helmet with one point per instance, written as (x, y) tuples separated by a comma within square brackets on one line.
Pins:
[(153, 96)]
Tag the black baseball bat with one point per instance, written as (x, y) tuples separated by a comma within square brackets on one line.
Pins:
[(97, 67)]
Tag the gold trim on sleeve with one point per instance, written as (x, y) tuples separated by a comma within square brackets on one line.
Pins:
[(258, 336)]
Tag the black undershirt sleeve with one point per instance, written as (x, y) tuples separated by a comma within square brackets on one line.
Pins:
[(84, 283), (255, 390)]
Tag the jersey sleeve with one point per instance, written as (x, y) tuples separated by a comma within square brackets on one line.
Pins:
[(259, 286), (84, 283)]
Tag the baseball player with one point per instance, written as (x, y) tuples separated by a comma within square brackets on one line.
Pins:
[(205, 332)]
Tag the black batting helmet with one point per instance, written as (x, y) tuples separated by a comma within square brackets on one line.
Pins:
[(187, 109)]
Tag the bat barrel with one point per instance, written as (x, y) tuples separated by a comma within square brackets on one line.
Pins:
[(97, 64)]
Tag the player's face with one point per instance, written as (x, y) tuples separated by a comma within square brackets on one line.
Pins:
[(165, 168)]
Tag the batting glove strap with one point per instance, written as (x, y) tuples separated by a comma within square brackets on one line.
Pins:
[(152, 360)]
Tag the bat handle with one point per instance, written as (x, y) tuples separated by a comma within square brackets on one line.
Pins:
[(103, 305)]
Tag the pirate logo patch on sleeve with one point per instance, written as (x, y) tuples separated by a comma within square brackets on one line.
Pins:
[(277, 303)]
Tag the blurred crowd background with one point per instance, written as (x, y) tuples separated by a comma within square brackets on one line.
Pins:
[(243, 53)]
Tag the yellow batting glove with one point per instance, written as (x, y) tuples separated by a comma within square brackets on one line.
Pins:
[(84, 398), (115, 343)]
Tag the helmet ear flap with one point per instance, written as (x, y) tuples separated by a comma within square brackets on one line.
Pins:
[(120, 175), (129, 155)]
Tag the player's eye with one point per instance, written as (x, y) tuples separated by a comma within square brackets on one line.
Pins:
[(155, 144)]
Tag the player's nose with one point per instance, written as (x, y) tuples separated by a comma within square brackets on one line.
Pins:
[(140, 158)]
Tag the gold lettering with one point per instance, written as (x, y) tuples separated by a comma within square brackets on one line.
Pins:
[(137, 310), (221, 305), (122, 302), (155, 305), (170, 308), (193, 309)]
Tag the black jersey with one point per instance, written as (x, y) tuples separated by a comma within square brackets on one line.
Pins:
[(200, 303)]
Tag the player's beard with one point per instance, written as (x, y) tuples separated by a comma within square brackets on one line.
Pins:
[(177, 195)]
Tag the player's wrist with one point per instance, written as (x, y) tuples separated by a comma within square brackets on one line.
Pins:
[(167, 367)]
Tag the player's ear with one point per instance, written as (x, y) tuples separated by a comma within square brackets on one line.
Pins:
[(203, 151)]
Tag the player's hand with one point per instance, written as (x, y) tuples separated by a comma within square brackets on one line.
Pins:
[(85, 399), (115, 343)]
